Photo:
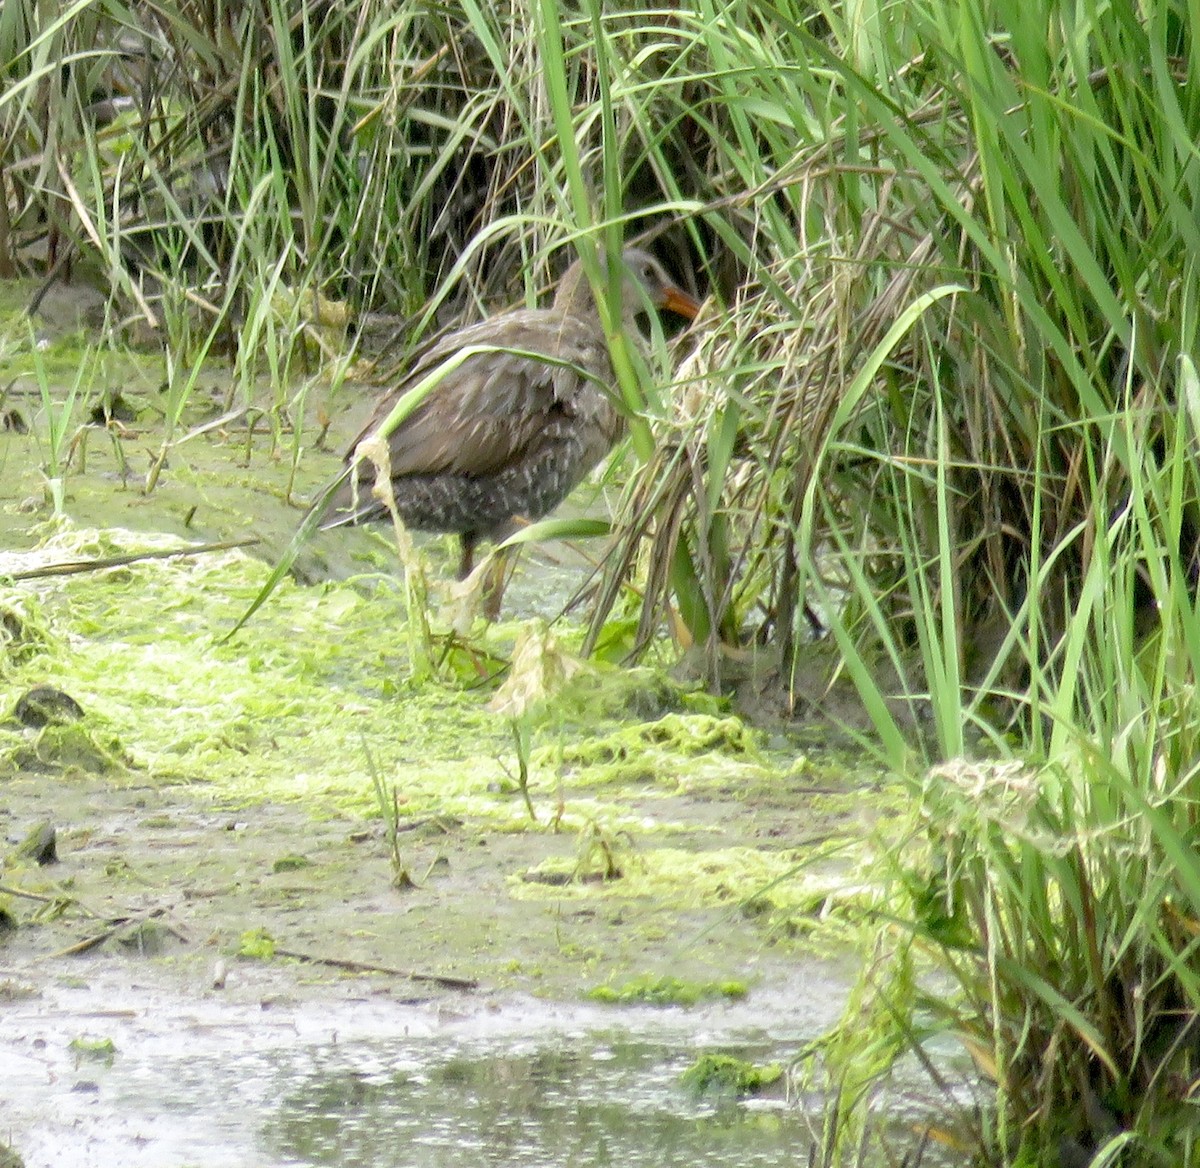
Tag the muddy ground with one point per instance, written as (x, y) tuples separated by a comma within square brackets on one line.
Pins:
[(151, 872), (218, 807)]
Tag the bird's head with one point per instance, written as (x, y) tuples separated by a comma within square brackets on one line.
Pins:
[(644, 279), (642, 268)]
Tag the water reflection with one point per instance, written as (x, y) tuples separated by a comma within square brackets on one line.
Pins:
[(594, 1101), (211, 1082)]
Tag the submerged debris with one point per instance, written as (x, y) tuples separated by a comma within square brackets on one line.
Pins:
[(46, 706), (65, 748), (94, 1048), (666, 991), (147, 937), (39, 845), (725, 1074)]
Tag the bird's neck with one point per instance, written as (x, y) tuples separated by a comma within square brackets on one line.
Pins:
[(574, 296)]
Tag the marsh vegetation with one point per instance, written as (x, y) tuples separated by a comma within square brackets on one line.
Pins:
[(935, 437)]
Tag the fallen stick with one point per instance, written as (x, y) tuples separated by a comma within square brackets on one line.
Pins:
[(9, 890), (75, 567), (450, 983), (115, 926), (64, 898)]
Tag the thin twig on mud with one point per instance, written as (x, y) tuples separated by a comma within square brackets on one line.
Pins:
[(75, 567), (62, 897), (450, 983), (116, 925)]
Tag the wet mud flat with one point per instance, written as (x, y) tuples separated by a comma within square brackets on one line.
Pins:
[(227, 962), (160, 1044)]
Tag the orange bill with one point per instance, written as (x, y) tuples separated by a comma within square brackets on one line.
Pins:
[(677, 300)]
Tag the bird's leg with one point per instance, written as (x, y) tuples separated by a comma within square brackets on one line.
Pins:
[(497, 581), (467, 542)]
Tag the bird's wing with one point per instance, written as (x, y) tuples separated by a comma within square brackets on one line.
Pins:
[(485, 412)]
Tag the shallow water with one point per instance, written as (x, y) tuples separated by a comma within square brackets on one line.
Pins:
[(245, 1080)]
